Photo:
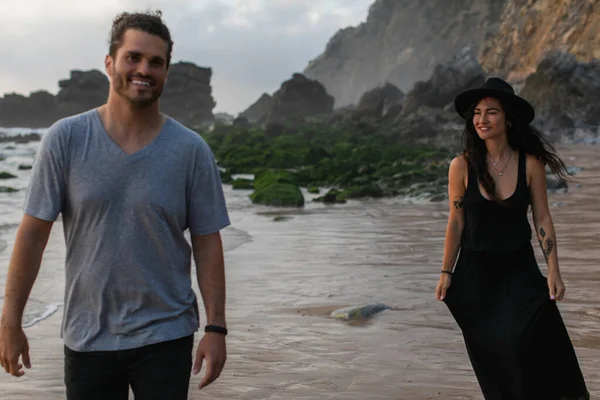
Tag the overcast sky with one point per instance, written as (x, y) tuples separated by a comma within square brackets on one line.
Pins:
[(252, 45)]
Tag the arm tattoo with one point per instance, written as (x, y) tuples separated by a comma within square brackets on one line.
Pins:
[(458, 204), (548, 249), (546, 243)]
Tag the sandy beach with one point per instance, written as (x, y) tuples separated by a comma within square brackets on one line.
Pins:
[(284, 277)]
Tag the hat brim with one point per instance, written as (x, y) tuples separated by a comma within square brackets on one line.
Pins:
[(520, 106)]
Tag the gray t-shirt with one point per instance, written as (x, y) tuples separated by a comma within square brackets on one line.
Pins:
[(128, 263)]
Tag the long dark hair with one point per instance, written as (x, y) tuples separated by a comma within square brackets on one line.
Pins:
[(521, 136)]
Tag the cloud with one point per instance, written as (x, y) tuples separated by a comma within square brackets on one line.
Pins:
[(251, 45)]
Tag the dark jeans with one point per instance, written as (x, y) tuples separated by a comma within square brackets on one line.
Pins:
[(159, 371)]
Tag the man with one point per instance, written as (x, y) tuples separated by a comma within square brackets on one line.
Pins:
[(128, 181)]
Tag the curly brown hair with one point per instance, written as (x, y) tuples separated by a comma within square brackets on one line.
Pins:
[(150, 22)]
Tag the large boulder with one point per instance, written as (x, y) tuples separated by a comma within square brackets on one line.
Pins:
[(188, 95), (269, 177), (300, 97), (565, 94), (461, 72), (279, 195), (379, 101), (84, 90), (277, 188)]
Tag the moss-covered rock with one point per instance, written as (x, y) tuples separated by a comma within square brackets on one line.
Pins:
[(226, 177), (313, 189), (279, 195), (333, 196), (269, 177), (242, 184), (368, 190), (359, 160), (6, 175)]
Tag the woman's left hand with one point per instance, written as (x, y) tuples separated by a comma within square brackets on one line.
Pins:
[(556, 286)]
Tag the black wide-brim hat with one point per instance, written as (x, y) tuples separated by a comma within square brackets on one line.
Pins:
[(497, 88)]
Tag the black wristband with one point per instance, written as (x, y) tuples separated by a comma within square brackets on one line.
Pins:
[(447, 272), (215, 329)]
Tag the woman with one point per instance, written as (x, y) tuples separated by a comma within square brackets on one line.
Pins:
[(515, 337)]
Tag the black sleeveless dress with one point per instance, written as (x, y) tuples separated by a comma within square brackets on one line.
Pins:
[(515, 337)]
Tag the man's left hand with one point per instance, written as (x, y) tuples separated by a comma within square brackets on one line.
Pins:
[(213, 350)]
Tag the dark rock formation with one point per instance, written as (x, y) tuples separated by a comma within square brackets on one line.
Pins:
[(435, 126), (35, 111), (460, 73), (380, 101), (186, 97), (242, 122), (300, 97), (259, 110), (565, 94), (82, 91), (401, 42)]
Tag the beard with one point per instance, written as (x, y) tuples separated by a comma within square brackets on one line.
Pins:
[(136, 96)]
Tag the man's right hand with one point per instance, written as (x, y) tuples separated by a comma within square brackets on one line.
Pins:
[(13, 343)]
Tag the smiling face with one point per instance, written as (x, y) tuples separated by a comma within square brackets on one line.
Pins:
[(489, 119), (139, 69)]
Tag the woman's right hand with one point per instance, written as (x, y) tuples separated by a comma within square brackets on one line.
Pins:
[(442, 286)]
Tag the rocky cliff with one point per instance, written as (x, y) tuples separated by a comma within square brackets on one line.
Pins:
[(187, 97), (461, 72), (566, 96), (532, 29), (401, 42)]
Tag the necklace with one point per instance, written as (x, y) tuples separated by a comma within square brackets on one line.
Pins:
[(500, 173), (494, 163)]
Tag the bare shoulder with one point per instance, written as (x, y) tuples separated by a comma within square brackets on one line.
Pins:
[(458, 168), (535, 168)]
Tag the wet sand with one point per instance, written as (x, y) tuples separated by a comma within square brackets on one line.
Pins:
[(283, 284)]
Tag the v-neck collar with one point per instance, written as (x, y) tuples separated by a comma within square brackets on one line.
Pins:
[(116, 149)]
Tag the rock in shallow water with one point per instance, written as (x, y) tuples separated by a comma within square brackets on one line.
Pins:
[(360, 312)]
